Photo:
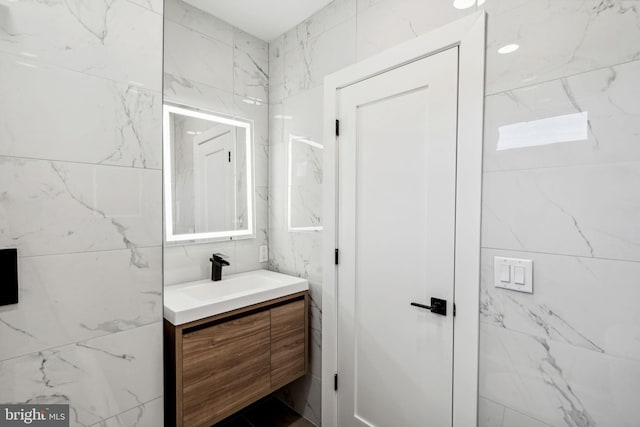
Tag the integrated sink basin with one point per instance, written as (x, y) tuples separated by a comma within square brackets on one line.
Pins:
[(191, 301)]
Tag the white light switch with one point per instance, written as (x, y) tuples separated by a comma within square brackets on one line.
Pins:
[(518, 275), (513, 273), (505, 273)]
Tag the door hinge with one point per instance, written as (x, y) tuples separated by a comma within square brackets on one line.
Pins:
[(337, 127), (454, 310), (229, 156), (337, 256), (335, 382)]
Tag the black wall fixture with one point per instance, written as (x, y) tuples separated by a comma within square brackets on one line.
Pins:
[(8, 276)]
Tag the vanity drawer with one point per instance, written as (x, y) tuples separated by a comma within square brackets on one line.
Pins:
[(225, 367), (288, 346)]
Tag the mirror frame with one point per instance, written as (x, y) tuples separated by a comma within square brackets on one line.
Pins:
[(170, 236)]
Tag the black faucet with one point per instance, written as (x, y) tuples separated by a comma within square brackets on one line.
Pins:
[(217, 262)]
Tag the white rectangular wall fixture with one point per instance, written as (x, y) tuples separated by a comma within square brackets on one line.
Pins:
[(513, 274)]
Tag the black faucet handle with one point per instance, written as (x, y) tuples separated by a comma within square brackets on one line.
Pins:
[(219, 259)]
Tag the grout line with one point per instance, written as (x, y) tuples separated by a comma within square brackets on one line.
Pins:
[(568, 76), (76, 162), (584, 165), (53, 65), (82, 341), (559, 254), (88, 252)]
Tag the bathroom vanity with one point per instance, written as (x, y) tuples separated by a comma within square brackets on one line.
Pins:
[(230, 343)]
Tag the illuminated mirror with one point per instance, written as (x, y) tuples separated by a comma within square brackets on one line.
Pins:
[(207, 175)]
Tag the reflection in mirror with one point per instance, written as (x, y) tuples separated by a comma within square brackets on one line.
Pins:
[(208, 179), (304, 184)]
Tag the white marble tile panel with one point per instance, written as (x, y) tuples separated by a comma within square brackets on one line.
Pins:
[(250, 67), (490, 414), (516, 419), (556, 383), (196, 57), (309, 62), (99, 378), (304, 397), (118, 40), (197, 20), (611, 99), (151, 414), (153, 5), (559, 38), (54, 207), (278, 187), (276, 70), (586, 211), (584, 302), (258, 113), (390, 22), (320, 22), (277, 119), (64, 115), (303, 113), (75, 297), (178, 90), (190, 261)]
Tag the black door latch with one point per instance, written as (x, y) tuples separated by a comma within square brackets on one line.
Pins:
[(438, 306)]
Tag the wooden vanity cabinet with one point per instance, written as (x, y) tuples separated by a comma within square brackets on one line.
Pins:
[(216, 366)]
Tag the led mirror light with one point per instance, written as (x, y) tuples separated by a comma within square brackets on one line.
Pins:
[(508, 49)]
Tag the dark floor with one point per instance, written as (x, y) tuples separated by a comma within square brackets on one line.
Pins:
[(269, 412)]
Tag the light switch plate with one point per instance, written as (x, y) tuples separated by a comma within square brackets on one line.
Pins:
[(264, 254), (516, 267)]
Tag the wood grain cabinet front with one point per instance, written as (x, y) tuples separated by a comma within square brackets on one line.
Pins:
[(214, 367)]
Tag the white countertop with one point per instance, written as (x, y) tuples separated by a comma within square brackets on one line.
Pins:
[(191, 301)]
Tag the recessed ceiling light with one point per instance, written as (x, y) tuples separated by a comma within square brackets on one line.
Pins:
[(508, 49), (463, 4)]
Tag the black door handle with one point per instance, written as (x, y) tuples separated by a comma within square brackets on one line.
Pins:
[(438, 306)]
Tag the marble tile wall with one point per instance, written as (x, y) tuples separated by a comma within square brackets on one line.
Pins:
[(214, 66), (568, 355), (80, 119)]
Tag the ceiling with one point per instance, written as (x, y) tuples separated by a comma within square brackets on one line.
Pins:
[(265, 19)]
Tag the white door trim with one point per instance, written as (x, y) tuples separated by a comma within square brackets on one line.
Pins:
[(469, 34)]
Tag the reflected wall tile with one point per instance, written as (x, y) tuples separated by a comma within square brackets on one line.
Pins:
[(121, 121), (323, 20), (54, 207), (591, 285), (117, 40), (250, 67), (611, 99), (401, 20), (196, 57), (490, 414), (308, 63), (558, 39), (184, 14), (302, 112), (588, 211), (99, 378), (277, 120), (182, 91), (148, 415), (557, 383), (276, 70), (278, 187), (74, 297)]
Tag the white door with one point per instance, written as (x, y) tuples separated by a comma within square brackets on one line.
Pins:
[(396, 229), (214, 177)]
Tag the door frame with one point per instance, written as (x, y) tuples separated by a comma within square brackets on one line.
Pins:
[(468, 34)]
